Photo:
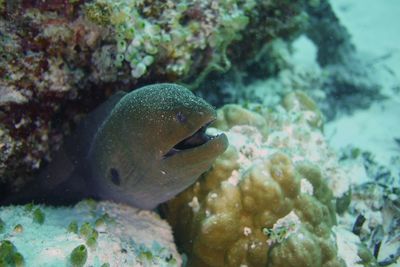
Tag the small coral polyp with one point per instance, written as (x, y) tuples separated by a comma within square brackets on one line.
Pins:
[(255, 207)]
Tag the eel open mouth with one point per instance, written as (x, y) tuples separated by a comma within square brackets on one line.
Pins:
[(199, 138)]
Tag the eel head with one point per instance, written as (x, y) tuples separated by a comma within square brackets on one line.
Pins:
[(153, 145)]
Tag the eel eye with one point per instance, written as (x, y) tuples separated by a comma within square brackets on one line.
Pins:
[(180, 117), (115, 176)]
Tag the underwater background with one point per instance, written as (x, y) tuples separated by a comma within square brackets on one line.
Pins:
[(306, 91)]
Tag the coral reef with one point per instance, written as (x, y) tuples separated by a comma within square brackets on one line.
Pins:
[(267, 201), (106, 234), (59, 59)]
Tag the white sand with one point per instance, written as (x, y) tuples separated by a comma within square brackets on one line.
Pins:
[(375, 29), (373, 130)]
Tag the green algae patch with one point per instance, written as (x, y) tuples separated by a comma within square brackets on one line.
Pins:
[(29, 207), (73, 227), (9, 256), (19, 260), (89, 234), (78, 256), (68, 236), (38, 216), (2, 226), (6, 248), (343, 202), (92, 240), (85, 230)]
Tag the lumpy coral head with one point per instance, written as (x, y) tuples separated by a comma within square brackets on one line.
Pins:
[(226, 228), (260, 204)]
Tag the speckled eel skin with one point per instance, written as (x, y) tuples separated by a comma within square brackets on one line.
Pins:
[(140, 148)]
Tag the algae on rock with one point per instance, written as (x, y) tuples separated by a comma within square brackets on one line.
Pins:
[(124, 235)]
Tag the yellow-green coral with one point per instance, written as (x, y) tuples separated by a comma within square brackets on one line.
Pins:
[(99, 12), (298, 101), (232, 115), (263, 203)]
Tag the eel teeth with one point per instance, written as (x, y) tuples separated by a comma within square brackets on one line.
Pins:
[(199, 138)]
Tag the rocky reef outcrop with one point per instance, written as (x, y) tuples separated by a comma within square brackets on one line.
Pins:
[(88, 234)]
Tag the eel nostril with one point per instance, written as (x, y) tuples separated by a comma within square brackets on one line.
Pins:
[(180, 117)]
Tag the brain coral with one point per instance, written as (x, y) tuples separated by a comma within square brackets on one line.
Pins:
[(265, 202)]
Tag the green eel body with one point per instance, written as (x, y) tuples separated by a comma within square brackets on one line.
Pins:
[(139, 148)]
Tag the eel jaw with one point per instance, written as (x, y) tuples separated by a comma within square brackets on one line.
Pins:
[(198, 138)]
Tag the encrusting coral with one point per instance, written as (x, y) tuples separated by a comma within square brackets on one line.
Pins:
[(266, 200), (169, 31)]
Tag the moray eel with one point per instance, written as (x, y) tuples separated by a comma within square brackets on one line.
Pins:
[(140, 148)]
